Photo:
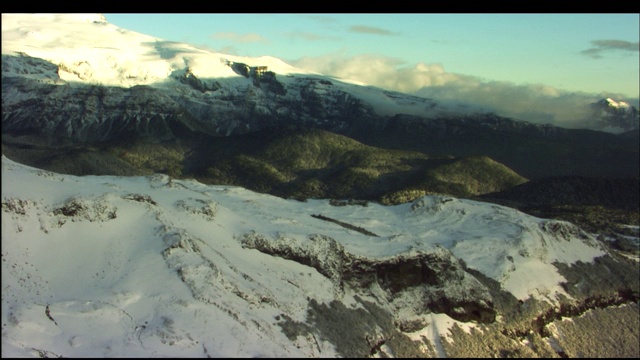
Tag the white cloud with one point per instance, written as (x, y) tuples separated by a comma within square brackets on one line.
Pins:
[(530, 102), (534, 103), (385, 72)]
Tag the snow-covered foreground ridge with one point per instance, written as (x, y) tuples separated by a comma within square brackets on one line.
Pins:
[(153, 266)]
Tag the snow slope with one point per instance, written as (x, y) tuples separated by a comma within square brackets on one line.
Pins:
[(152, 266), (87, 50), (106, 54), (84, 49)]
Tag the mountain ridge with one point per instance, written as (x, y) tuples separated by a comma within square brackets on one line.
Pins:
[(96, 113), (153, 61)]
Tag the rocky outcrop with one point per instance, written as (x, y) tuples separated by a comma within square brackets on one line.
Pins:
[(241, 69), (206, 209), (416, 283), (366, 331), (80, 209), (188, 78)]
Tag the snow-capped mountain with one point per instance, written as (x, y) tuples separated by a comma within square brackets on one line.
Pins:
[(76, 80), (152, 266), (616, 116), (108, 79)]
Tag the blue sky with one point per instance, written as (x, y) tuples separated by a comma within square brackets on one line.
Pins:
[(592, 53)]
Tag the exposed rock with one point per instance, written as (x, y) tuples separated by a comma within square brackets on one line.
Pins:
[(425, 282), (80, 208), (418, 283), (565, 230), (336, 202), (345, 225), (207, 209), (268, 78), (241, 69), (16, 206), (141, 198), (355, 332), (188, 78)]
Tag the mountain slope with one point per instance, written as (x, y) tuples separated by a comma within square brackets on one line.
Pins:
[(285, 161), (153, 266), (306, 163), (61, 89), (534, 151)]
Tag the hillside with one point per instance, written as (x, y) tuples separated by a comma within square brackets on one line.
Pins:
[(288, 162), (318, 164), (178, 268), (532, 150)]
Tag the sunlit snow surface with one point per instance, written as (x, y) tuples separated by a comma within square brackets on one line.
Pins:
[(102, 53), (84, 49), (154, 267)]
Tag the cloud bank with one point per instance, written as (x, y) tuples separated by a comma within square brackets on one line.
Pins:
[(535, 103), (603, 46)]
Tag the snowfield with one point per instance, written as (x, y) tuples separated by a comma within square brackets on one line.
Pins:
[(104, 266), (100, 53)]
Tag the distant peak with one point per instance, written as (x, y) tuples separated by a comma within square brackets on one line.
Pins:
[(615, 104)]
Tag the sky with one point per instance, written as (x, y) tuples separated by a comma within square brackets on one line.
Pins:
[(545, 54)]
